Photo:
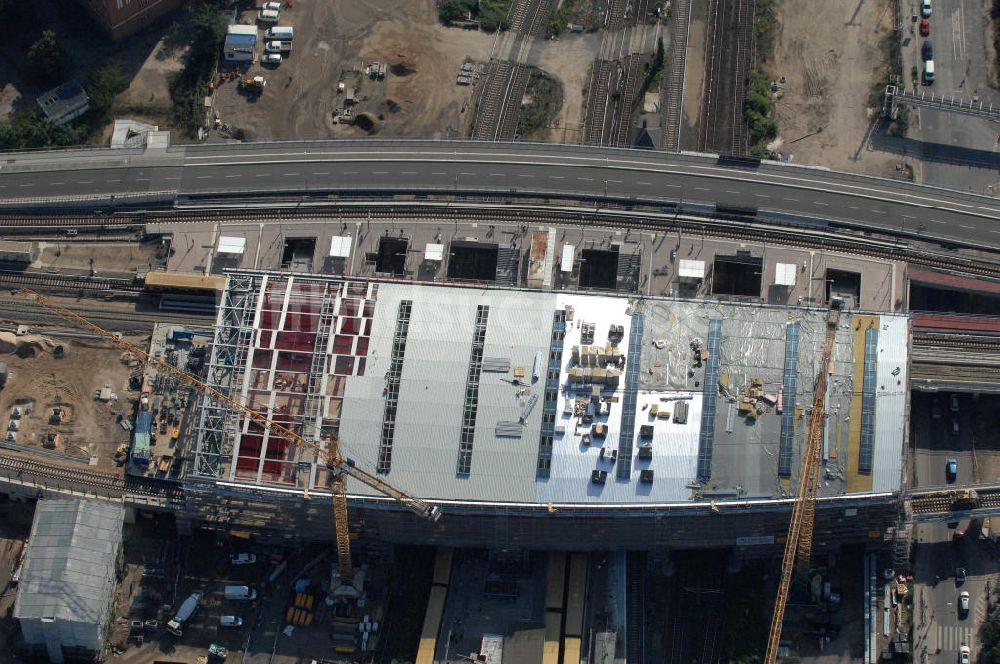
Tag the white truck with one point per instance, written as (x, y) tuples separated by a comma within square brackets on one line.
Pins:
[(280, 47), (188, 608)]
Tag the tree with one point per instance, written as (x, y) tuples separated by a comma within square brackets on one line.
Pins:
[(47, 58), (989, 634), (104, 85)]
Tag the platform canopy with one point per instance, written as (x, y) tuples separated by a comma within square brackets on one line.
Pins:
[(434, 252), (784, 274), (231, 245), (340, 246), (691, 269)]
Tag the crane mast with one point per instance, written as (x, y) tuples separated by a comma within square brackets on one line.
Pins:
[(340, 468), (798, 545)]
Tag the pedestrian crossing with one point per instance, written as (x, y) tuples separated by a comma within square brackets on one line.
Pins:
[(951, 637)]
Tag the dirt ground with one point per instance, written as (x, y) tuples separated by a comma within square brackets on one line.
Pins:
[(569, 59), (828, 52), (339, 37), (694, 75), (103, 258), (15, 526), (43, 382)]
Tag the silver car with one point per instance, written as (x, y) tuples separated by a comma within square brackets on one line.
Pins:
[(230, 621)]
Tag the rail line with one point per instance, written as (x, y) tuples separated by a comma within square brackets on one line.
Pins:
[(729, 45), (65, 477), (500, 104), (26, 311), (628, 90), (530, 17), (672, 97), (50, 281), (635, 636), (598, 101)]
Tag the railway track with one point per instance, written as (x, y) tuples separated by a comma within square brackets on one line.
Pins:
[(598, 101), (22, 311), (946, 501), (635, 576), (48, 281), (500, 104), (672, 95), (530, 17), (628, 91), (722, 128), (113, 486)]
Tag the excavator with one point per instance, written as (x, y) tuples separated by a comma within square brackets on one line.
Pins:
[(340, 468)]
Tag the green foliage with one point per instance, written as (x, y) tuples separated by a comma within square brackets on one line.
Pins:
[(758, 111), (546, 95), (765, 26), (189, 86), (103, 86), (450, 11), (32, 130), (491, 14), (47, 58), (995, 15), (494, 15), (989, 635), (654, 69)]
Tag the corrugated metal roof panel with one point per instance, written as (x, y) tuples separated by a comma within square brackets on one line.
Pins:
[(890, 402), (72, 554)]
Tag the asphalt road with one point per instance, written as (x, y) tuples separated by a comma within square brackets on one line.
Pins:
[(938, 625), (360, 167)]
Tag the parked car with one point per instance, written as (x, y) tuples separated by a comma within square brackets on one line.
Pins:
[(925, 8), (271, 5), (936, 410), (927, 53), (925, 27), (964, 654), (270, 59), (959, 576), (963, 604), (230, 621), (951, 469), (954, 426), (243, 558), (954, 403)]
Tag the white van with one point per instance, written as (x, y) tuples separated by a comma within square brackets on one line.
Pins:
[(279, 33), (928, 72), (268, 16)]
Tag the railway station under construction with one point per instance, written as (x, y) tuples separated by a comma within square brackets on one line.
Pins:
[(544, 419)]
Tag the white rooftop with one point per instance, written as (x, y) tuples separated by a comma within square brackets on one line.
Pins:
[(434, 252), (784, 274), (691, 269), (231, 245), (340, 246)]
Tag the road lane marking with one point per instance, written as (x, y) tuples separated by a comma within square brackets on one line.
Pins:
[(794, 200), (200, 177), (557, 177), (703, 189), (730, 191), (761, 195), (819, 203), (120, 180), (234, 176), (29, 184), (289, 174), (321, 173), (408, 173), (878, 212), (380, 172), (645, 184), (350, 173), (498, 175), (55, 184), (85, 182)]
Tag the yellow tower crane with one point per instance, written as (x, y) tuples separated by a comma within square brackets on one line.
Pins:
[(798, 546), (340, 468)]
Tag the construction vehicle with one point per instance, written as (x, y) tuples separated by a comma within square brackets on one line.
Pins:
[(188, 607), (798, 545), (253, 85), (338, 466)]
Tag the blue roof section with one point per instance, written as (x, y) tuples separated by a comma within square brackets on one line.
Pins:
[(144, 422), (140, 448), (240, 40)]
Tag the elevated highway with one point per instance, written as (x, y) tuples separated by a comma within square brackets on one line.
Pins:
[(401, 170)]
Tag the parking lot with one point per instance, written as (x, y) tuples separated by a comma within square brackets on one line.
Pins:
[(955, 151), (333, 44)]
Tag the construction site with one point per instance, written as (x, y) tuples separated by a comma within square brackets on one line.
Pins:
[(513, 408)]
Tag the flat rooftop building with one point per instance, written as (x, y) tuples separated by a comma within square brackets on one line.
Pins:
[(504, 399)]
